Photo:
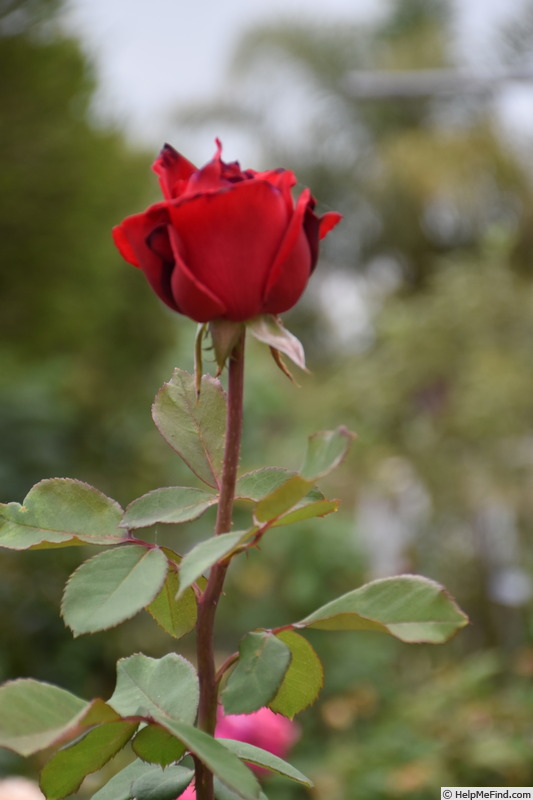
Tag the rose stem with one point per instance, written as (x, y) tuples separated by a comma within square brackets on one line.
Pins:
[(207, 605)]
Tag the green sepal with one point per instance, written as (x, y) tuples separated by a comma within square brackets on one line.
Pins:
[(269, 329), (225, 335), (198, 369)]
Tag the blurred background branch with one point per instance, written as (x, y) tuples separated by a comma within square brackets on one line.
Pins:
[(430, 82)]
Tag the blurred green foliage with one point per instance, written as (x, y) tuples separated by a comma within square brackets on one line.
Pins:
[(79, 334), (436, 249), (82, 344)]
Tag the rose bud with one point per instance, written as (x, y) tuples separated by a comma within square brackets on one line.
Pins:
[(225, 243)]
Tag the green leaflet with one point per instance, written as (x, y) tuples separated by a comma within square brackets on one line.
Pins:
[(164, 687), (194, 428), (112, 587), (158, 746), (36, 715), (263, 662), (172, 504), (223, 764), (58, 512), (162, 784), (411, 608), (206, 554), (303, 680), (175, 615), (262, 758), (65, 771)]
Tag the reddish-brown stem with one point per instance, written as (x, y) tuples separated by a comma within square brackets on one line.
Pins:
[(207, 604), (229, 662)]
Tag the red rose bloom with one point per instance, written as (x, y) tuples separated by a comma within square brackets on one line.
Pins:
[(225, 243)]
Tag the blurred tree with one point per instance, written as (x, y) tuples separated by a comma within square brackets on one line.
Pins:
[(79, 335), (23, 15), (82, 343)]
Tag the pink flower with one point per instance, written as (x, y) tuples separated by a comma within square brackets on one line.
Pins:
[(263, 728), (16, 788), (189, 793)]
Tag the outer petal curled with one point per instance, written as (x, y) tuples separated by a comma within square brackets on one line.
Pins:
[(142, 240)]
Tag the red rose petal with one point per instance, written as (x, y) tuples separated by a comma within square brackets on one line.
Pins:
[(143, 242), (229, 240), (328, 222), (173, 170), (282, 179), (291, 268), (193, 298)]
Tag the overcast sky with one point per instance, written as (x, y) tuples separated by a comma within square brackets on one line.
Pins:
[(152, 55)]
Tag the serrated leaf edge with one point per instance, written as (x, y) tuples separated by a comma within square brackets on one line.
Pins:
[(123, 619)]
